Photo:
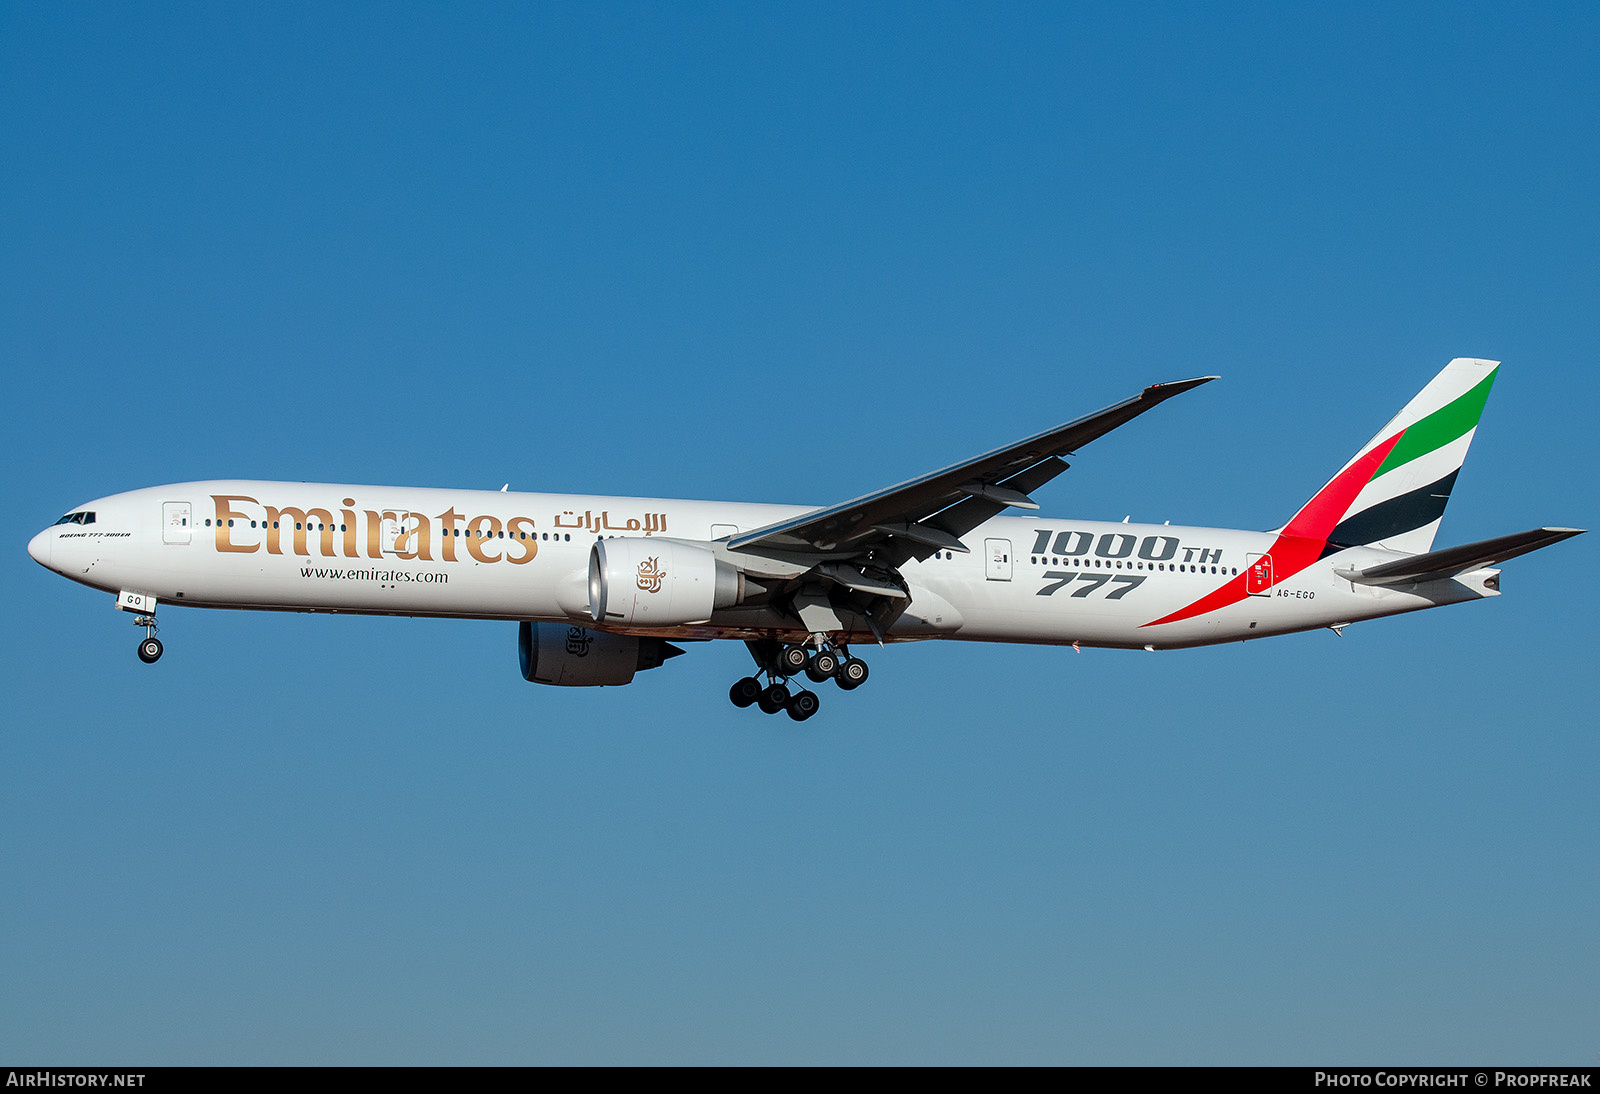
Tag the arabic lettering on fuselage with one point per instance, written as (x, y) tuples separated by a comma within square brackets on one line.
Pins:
[(652, 522)]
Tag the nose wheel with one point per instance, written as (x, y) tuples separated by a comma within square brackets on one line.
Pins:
[(149, 645)]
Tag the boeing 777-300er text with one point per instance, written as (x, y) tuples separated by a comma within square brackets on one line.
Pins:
[(602, 586)]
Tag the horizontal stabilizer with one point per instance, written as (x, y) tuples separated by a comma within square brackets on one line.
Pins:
[(1438, 565)]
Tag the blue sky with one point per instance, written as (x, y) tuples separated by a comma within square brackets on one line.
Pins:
[(794, 253)]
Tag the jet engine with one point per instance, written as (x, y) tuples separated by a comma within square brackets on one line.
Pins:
[(638, 582), (577, 657)]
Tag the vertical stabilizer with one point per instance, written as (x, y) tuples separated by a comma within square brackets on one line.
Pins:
[(1393, 492)]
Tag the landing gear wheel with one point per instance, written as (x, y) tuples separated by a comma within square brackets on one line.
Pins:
[(774, 699), (793, 659), (852, 674), (150, 650), (745, 691), (803, 705), (823, 665)]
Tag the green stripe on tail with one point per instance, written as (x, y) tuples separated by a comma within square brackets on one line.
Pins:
[(1441, 427)]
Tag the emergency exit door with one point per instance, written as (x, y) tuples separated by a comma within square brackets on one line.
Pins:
[(1258, 575), (998, 552), (177, 519)]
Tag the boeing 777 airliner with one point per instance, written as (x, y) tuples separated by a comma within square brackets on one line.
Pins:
[(601, 586)]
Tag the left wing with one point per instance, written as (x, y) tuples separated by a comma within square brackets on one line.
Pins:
[(930, 513)]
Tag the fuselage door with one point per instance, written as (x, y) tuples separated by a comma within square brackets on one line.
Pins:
[(177, 520), (998, 552), (389, 531), (1258, 575), (721, 531)]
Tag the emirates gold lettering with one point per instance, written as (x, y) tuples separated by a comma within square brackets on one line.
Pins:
[(226, 515), (519, 533), (279, 521), (449, 533), (482, 532), (415, 542), (374, 530), (347, 526), (244, 524)]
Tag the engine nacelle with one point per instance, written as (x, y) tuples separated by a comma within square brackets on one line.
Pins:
[(637, 582), (577, 657)]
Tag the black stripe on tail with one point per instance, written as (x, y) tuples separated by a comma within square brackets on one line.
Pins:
[(1407, 511)]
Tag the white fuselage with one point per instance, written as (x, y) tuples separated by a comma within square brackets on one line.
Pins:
[(523, 556)]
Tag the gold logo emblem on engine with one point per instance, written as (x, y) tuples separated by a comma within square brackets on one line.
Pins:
[(651, 574)]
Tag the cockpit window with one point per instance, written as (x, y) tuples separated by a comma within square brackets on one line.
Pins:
[(77, 518)]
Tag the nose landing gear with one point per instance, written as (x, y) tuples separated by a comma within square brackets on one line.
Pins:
[(149, 645), (143, 607)]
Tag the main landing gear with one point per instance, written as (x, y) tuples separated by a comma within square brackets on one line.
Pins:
[(780, 663)]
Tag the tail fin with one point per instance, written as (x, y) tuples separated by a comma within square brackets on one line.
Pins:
[(1393, 492)]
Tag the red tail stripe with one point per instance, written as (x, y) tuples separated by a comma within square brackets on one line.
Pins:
[(1302, 539), (1318, 516)]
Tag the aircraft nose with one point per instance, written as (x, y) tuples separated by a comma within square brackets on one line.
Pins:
[(39, 547)]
